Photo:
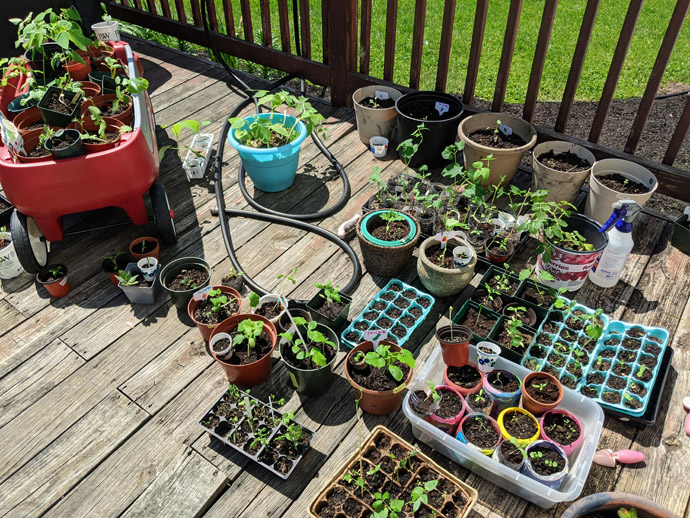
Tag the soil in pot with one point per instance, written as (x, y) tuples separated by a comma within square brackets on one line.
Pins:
[(187, 279), (109, 136), (270, 309), (395, 231), (519, 425), (492, 302), (378, 379), (65, 141), (435, 254), (543, 390), (480, 432), (509, 342), (479, 323), (55, 104), (242, 354), (561, 428), (567, 162), (422, 403), (108, 111), (307, 363), (543, 298), (331, 309), (511, 453), (504, 284), (611, 397), (38, 152), (479, 401), (503, 381), (466, 376), (620, 183), (556, 462), (204, 311), (495, 138), (450, 404), (375, 103), (233, 281)]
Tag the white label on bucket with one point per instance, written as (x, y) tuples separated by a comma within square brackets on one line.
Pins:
[(202, 294), (442, 108), (381, 95), (374, 335), (506, 130)]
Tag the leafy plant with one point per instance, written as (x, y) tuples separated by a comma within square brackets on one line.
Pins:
[(435, 396), (293, 434), (218, 300), (232, 273), (317, 340), (330, 293), (390, 217), (126, 278), (383, 357), (190, 124), (101, 126), (248, 330), (627, 513), (420, 494)]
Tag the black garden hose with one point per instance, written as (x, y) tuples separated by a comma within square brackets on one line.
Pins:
[(266, 214)]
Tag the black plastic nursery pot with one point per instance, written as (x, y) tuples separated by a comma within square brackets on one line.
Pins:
[(338, 323), (75, 148), (109, 84), (55, 118), (425, 108), (681, 235), (312, 382), (181, 298)]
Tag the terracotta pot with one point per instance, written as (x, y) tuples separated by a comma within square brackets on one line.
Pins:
[(206, 329), (31, 142), (111, 125), (448, 424), (251, 374), (99, 53), (58, 287), (531, 404), (462, 390), (79, 71), (568, 449), (126, 117), (90, 88), (26, 118), (376, 403), (455, 352), (153, 252), (503, 256), (614, 501)]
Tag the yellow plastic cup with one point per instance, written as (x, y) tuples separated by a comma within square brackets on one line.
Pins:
[(522, 442)]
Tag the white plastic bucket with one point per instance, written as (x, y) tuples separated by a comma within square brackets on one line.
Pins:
[(106, 31), (10, 266)]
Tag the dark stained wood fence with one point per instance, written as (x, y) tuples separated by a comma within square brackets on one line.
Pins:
[(346, 41)]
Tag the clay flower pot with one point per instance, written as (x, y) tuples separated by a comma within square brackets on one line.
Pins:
[(455, 344), (441, 281), (92, 146), (57, 287), (79, 71), (251, 374), (532, 405), (152, 248), (463, 390), (126, 117), (614, 501), (206, 329), (371, 401), (26, 119), (111, 270), (31, 142)]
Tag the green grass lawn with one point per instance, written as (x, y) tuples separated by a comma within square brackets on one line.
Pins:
[(650, 31)]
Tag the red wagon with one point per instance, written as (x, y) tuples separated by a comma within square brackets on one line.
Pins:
[(44, 192)]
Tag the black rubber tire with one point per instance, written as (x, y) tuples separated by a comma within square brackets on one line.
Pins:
[(161, 215), (22, 244)]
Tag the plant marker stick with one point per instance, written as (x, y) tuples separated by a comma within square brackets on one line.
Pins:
[(284, 303), (248, 407)]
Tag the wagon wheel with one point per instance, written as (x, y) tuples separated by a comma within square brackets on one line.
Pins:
[(29, 243), (163, 215)]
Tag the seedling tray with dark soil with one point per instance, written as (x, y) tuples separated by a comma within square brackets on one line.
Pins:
[(401, 469), (478, 318), (398, 308), (229, 422), (498, 278), (499, 335)]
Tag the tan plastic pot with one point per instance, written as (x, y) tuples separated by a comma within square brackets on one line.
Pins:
[(600, 197), (439, 281), (562, 186), (505, 161), (372, 122)]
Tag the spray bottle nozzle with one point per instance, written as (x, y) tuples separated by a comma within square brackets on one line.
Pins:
[(625, 210)]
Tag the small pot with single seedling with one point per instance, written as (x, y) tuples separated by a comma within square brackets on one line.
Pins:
[(479, 431), (137, 289), (209, 307), (510, 453), (541, 392), (148, 267), (221, 345), (144, 247), (451, 408), (115, 262), (455, 343), (505, 387), (424, 400), (329, 306), (54, 279), (233, 279), (519, 424)]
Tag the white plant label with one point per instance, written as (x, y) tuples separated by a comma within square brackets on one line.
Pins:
[(442, 108), (687, 211), (506, 130), (374, 335), (202, 294), (381, 95)]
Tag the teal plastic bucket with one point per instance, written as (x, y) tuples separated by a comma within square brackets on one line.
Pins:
[(271, 169), (364, 227)]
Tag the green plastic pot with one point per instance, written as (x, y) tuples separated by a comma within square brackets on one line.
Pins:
[(59, 119), (312, 382), (681, 235), (181, 298)]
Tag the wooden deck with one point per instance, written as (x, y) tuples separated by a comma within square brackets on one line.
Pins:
[(100, 400)]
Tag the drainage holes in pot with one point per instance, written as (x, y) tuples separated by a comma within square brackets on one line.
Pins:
[(590, 391)]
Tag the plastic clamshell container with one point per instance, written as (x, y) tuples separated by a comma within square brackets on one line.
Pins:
[(391, 304), (194, 165), (588, 412), (232, 427)]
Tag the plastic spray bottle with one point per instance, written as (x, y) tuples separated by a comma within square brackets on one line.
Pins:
[(608, 268)]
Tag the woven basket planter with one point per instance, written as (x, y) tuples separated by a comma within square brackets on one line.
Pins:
[(387, 261)]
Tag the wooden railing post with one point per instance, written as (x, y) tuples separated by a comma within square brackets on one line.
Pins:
[(342, 35)]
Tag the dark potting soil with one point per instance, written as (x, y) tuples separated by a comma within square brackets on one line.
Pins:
[(378, 379), (499, 248), (479, 431), (307, 363), (590, 392), (465, 376), (567, 381), (506, 341), (331, 310), (643, 374), (635, 332), (422, 404), (384, 323), (595, 378), (371, 315), (424, 302), (622, 369), (556, 360), (416, 312), (35, 125), (211, 421), (38, 151), (608, 354), (575, 323), (187, 279), (611, 397), (627, 356), (268, 456), (107, 109), (450, 404), (410, 294), (388, 296), (620, 183), (223, 428), (235, 282), (503, 381), (543, 390), (204, 311), (395, 287), (511, 453), (440, 257), (496, 139), (537, 351), (491, 302), (562, 347), (375, 103), (648, 361), (574, 368), (144, 247), (638, 389), (399, 331), (507, 286), (380, 306), (544, 339), (240, 355), (652, 349), (631, 402), (64, 106), (567, 162), (655, 339), (480, 324), (396, 230), (63, 142), (613, 341), (545, 299), (270, 309), (283, 465), (561, 428), (519, 425), (632, 344), (478, 401), (550, 369), (402, 303), (361, 326), (394, 313), (540, 465)]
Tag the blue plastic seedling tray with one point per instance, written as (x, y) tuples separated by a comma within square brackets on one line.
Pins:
[(564, 355), (633, 352), (396, 295)]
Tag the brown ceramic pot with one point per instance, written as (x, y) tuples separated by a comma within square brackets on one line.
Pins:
[(532, 405)]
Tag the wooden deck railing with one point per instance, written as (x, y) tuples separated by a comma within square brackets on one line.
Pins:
[(346, 51)]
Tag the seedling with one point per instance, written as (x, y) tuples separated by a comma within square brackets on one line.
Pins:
[(390, 217), (248, 330), (125, 278), (641, 370), (420, 493), (383, 357), (293, 435), (3, 230), (540, 386), (261, 436), (219, 300), (434, 394), (358, 357), (190, 124), (330, 293), (317, 343), (627, 513)]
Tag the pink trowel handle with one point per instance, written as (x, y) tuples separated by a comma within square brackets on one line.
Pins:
[(687, 425), (630, 456)]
